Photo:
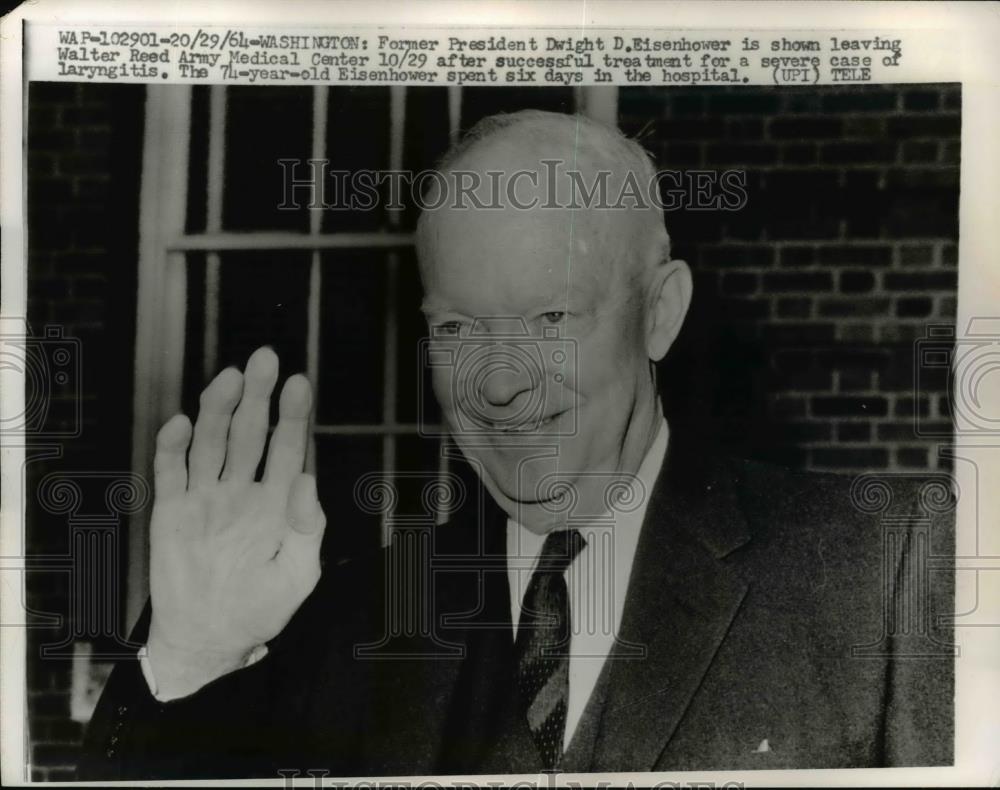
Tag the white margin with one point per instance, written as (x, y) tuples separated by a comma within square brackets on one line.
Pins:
[(976, 27)]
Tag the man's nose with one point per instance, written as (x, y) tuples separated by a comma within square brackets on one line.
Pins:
[(503, 380)]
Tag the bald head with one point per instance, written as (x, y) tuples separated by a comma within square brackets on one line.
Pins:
[(540, 162)]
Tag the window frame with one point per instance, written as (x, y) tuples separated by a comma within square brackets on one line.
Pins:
[(164, 271)]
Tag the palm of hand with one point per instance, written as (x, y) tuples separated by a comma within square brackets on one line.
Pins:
[(215, 571), (231, 558)]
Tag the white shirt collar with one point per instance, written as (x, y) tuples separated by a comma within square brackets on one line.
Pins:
[(621, 531), (597, 580)]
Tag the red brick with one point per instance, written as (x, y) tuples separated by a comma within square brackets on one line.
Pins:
[(798, 256), (854, 432), (850, 457), (849, 406), (860, 101), (920, 151), (949, 254), (854, 153), (921, 100), (855, 255), (920, 281), (834, 308), (916, 255), (935, 126), (907, 406), (869, 126), (794, 308), (856, 281), (916, 307), (799, 153), (797, 128), (798, 281)]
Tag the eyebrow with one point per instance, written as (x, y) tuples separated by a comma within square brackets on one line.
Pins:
[(430, 307), (558, 299)]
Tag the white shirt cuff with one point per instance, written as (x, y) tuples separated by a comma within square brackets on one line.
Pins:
[(252, 658)]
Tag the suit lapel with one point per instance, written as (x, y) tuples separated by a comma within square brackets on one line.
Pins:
[(485, 731), (681, 601)]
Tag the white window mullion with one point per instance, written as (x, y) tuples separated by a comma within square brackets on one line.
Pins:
[(321, 97), (287, 240), (598, 102), (161, 303), (454, 112), (443, 467), (397, 125), (213, 224)]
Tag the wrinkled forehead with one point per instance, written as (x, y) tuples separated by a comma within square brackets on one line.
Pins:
[(528, 201), (493, 263), (525, 164), (513, 256)]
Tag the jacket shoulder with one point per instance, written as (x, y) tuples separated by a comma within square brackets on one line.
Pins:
[(839, 549)]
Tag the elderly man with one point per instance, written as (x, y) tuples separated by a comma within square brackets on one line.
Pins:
[(632, 604)]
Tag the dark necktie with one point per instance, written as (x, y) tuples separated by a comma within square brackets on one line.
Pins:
[(542, 645)]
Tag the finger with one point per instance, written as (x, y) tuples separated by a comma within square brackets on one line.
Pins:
[(303, 512), (287, 452), (248, 430), (169, 470), (208, 450), (304, 534)]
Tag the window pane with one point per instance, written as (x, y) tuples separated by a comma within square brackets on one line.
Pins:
[(194, 334), (352, 337), (357, 139), (263, 301), (412, 332), (265, 124), (425, 138), (197, 196)]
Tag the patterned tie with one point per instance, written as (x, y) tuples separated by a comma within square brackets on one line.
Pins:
[(542, 645)]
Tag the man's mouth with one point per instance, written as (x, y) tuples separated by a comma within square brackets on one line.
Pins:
[(531, 426)]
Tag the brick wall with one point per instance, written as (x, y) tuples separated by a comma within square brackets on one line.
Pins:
[(800, 344), (798, 348), (83, 160)]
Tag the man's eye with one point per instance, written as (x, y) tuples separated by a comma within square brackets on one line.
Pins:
[(554, 316), (448, 329)]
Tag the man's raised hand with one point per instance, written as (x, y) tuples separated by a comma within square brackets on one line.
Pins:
[(231, 559)]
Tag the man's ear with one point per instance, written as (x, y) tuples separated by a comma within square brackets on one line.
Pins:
[(669, 299)]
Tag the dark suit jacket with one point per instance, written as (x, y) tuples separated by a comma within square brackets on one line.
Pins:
[(770, 622)]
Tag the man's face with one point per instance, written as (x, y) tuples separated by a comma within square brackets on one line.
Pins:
[(536, 320)]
